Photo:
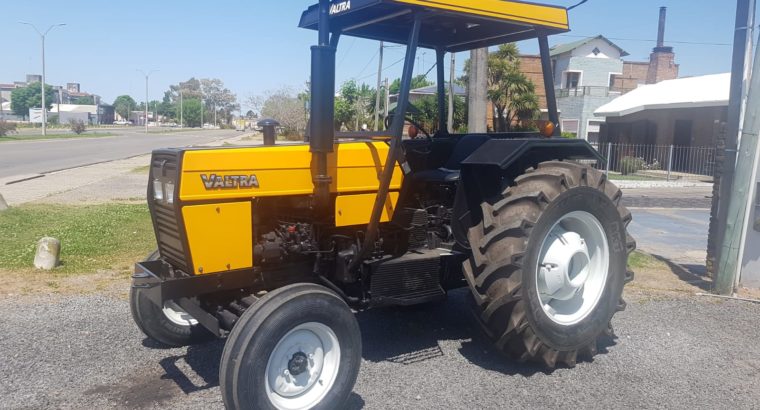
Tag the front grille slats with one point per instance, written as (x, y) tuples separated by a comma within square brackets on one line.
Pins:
[(164, 167)]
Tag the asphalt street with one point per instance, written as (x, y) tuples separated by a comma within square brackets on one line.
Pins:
[(85, 352), (38, 157)]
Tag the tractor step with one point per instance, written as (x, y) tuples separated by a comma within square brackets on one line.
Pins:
[(407, 280)]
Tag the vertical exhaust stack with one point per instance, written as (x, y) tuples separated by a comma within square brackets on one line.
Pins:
[(322, 132)]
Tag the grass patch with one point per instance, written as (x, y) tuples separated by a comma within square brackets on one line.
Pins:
[(54, 136), (641, 260), (93, 237), (621, 177), (141, 170)]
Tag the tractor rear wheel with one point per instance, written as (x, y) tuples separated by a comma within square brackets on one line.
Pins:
[(298, 347), (549, 262)]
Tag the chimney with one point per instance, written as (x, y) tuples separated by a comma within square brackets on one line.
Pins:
[(661, 29), (661, 33), (662, 65)]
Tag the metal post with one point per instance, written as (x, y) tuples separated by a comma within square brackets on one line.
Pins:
[(379, 83), (670, 162), (452, 74), (387, 98), (181, 110), (42, 86), (551, 99), (441, 81), (147, 77), (609, 158)]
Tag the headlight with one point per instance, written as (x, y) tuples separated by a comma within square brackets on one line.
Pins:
[(158, 190), (169, 192)]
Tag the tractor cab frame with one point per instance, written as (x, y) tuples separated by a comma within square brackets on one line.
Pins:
[(446, 26)]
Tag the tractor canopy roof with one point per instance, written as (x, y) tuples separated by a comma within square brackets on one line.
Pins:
[(449, 25)]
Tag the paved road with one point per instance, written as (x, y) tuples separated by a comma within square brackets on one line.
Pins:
[(35, 157), (679, 235), (85, 352)]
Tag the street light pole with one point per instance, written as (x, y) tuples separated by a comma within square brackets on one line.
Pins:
[(181, 111), (147, 77), (42, 85)]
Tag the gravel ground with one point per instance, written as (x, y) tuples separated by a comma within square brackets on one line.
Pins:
[(85, 352)]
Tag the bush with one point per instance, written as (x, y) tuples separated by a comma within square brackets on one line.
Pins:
[(569, 135), (7, 128), (77, 126), (631, 165)]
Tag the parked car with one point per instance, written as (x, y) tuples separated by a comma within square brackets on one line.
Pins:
[(122, 122)]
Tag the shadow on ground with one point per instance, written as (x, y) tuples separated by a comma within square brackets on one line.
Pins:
[(690, 274), (401, 335)]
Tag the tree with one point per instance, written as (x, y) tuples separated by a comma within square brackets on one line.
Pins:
[(354, 105), (83, 100), (191, 112), (24, 98), (425, 113), (417, 82), (511, 93), (123, 104), (210, 91), (284, 106)]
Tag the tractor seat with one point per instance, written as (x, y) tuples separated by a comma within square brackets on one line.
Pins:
[(450, 171)]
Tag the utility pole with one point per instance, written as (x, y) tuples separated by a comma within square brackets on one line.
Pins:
[(147, 77), (215, 123), (181, 111), (42, 85), (452, 75), (477, 90), (379, 84), (726, 275), (387, 100)]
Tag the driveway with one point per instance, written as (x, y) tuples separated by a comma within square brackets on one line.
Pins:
[(84, 352)]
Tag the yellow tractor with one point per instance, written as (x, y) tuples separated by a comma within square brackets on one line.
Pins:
[(275, 247)]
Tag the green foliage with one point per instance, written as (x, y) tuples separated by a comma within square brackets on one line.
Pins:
[(354, 106), (24, 98), (211, 92), (83, 100), (568, 135), (191, 113), (123, 104), (426, 114), (77, 126), (512, 94), (92, 237), (7, 128), (417, 82), (631, 165)]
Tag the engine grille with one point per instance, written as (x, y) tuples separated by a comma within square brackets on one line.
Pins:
[(166, 219), (408, 279)]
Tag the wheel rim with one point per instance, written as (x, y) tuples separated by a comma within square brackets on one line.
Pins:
[(303, 367), (176, 315), (573, 266)]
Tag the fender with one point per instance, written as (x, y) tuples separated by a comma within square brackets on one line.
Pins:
[(494, 166)]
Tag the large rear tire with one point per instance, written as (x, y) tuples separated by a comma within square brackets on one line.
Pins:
[(549, 262), (298, 347)]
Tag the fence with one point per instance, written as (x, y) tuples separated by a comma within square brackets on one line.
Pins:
[(657, 162)]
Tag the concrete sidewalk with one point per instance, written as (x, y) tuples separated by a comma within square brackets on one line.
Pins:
[(122, 180)]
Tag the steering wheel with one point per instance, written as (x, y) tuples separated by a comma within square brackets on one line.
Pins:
[(416, 125)]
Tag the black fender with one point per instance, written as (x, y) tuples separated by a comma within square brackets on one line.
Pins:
[(494, 166)]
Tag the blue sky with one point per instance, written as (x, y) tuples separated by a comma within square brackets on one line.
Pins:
[(255, 46)]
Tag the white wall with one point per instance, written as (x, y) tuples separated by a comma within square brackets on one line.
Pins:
[(606, 50)]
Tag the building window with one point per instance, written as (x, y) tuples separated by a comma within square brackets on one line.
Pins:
[(570, 126), (572, 79)]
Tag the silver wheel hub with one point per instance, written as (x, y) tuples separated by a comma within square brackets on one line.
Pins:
[(303, 367), (573, 265), (176, 315)]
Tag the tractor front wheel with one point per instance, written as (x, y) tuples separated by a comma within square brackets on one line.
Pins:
[(169, 324), (549, 262), (298, 347)]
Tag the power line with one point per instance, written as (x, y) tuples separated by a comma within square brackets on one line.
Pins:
[(384, 68), (649, 41), (368, 63)]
